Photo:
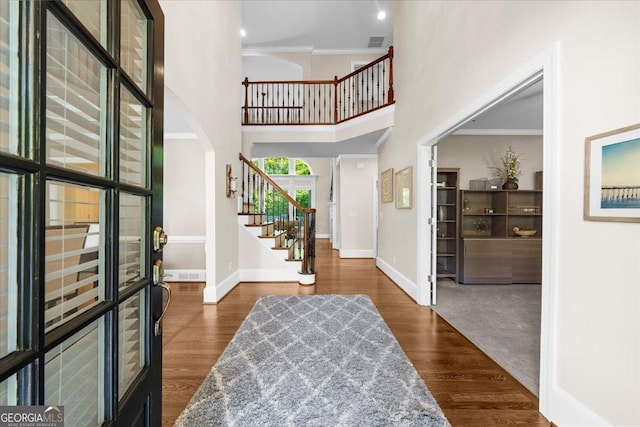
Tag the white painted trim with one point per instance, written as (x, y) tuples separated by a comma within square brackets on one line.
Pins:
[(383, 138), (213, 294), (289, 129), (269, 275), (180, 135), (365, 118), (186, 239), (357, 156), (398, 278), (322, 236), (250, 51), (493, 132), (545, 64), (330, 129), (194, 275), (569, 412), (210, 225), (356, 253), (306, 279), (367, 51)]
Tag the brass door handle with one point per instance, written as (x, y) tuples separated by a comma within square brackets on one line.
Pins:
[(157, 329)]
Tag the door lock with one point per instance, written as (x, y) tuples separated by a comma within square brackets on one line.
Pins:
[(159, 239)]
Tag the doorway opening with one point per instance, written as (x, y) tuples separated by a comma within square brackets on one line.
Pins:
[(544, 65)]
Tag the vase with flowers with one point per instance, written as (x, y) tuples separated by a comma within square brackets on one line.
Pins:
[(510, 170)]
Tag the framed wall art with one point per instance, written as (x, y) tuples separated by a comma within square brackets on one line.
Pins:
[(404, 179), (612, 176), (386, 186)]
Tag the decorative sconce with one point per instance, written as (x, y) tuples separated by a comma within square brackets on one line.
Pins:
[(232, 183)]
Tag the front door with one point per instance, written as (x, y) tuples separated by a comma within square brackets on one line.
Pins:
[(81, 96)]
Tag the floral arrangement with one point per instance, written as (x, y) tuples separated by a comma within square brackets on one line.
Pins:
[(510, 169)]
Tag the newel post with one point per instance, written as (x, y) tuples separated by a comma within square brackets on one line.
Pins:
[(246, 101), (390, 74), (335, 99)]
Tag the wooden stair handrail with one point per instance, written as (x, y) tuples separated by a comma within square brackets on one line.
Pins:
[(389, 55), (275, 186), (320, 115)]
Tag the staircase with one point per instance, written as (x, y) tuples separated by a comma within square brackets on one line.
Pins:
[(277, 235)]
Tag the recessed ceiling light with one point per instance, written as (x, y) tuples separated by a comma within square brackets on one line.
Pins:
[(381, 15), (243, 33)]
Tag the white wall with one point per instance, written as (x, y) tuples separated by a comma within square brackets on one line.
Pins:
[(321, 167), (447, 54), (356, 206), (475, 155), (202, 69), (184, 204)]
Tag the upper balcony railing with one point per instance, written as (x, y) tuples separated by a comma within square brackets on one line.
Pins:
[(320, 102)]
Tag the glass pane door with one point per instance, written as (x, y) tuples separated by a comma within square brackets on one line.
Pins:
[(77, 204)]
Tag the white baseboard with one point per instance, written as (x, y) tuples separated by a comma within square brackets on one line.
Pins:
[(358, 253), (269, 275), (402, 281), (185, 275), (322, 236), (567, 411), (213, 294)]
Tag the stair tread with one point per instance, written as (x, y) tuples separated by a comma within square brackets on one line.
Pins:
[(259, 225)]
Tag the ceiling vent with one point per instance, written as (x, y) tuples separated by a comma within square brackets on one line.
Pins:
[(376, 41)]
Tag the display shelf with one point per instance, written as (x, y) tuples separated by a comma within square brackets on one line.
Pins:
[(447, 180), (490, 251)]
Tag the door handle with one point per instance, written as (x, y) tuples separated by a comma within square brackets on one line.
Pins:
[(157, 329)]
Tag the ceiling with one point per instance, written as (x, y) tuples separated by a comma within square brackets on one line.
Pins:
[(316, 26)]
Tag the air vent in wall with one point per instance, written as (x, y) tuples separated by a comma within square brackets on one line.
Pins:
[(376, 41)]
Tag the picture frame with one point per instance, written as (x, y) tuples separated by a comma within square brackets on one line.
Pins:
[(612, 176), (386, 186), (404, 188)]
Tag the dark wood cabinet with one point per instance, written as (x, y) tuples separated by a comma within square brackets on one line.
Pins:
[(527, 261), (491, 253), (486, 261)]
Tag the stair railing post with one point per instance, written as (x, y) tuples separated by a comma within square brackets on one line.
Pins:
[(246, 101), (335, 99), (309, 242), (390, 74)]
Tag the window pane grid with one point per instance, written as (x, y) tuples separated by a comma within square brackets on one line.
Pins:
[(133, 140), (92, 14), (74, 378), (76, 103), (131, 249), (74, 276), (131, 338), (9, 75), (8, 263), (9, 391), (133, 43)]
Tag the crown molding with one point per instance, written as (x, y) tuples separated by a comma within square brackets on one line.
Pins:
[(310, 50), (498, 132)]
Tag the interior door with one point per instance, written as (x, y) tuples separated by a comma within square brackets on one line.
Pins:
[(433, 197), (80, 193)]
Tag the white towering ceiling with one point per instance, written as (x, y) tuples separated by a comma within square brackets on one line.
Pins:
[(327, 25)]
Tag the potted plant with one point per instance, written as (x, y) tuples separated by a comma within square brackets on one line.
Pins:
[(510, 170)]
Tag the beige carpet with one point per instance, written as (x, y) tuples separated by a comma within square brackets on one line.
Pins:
[(501, 320)]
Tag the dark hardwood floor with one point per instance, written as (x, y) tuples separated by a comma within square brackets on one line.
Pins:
[(471, 389)]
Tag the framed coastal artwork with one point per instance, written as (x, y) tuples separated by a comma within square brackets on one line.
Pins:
[(612, 176), (404, 179), (386, 186)]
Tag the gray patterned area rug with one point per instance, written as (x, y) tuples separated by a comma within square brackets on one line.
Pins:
[(316, 360)]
